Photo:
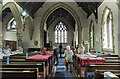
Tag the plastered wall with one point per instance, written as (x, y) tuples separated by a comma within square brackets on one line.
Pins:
[(98, 25)]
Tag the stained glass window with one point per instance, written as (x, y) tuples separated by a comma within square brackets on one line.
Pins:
[(60, 33), (11, 25), (107, 31)]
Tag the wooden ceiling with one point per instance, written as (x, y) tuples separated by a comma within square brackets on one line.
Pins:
[(89, 7), (30, 7), (60, 12)]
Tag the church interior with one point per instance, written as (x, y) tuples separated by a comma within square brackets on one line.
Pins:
[(50, 39)]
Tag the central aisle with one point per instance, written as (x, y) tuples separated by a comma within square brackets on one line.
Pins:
[(61, 71)]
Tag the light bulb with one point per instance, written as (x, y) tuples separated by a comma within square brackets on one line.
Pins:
[(24, 13)]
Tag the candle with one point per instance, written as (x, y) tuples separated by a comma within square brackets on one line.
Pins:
[(26, 55), (96, 53), (7, 60)]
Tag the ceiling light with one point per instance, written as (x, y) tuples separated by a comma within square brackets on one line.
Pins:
[(24, 13), (1, 35)]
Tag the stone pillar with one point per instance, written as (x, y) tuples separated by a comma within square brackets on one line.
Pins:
[(47, 37), (79, 34), (1, 25), (118, 28), (0, 34), (41, 38), (119, 32), (19, 40)]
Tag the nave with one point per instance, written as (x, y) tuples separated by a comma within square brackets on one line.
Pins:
[(50, 39)]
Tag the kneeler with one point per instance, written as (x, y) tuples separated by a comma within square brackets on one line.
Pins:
[(90, 75)]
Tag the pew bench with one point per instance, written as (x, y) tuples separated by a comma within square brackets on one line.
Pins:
[(100, 73), (10, 74), (41, 66), (94, 67)]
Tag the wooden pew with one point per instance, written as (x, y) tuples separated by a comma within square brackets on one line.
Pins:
[(10, 74), (100, 73), (94, 67), (21, 59), (112, 61), (105, 67), (41, 66), (24, 72), (112, 57)]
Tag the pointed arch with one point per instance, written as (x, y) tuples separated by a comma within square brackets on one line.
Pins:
[(107, 31), (53, 8), (16, 14), (30, 26), (91, 35)]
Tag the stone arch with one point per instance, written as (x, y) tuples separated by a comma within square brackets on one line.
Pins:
[(91, 28), (16, 14), (52, 9), (29, 20)]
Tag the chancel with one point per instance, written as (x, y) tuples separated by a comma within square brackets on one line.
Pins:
[(50, 39)]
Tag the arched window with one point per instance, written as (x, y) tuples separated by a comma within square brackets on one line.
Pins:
[(60, 33), (11, 25), (91, 35), (107, 30)]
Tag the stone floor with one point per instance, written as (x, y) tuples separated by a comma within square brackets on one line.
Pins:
[(61, 72)]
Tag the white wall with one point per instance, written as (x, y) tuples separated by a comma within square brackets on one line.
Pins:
[(11, 36), (114, 10), (119, 31), (97, 26), (8, 35), (27, 42)]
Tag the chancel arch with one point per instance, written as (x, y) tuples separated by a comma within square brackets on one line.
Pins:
[(52, 9)]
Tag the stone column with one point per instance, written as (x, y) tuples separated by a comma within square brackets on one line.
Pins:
[(19, 40), (119, 32), (118, 28), (1, 25), (41, 38), (79, 34)]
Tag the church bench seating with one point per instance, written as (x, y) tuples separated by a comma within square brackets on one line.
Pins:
[(112, 57), (19, 74), (105, 67), (41, 66), (100, 73), (109, 64), (112, 61), (20, 61), (104, 63), (49, 63)]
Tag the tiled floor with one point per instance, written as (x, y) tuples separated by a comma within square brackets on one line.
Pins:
[(61, 72)]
